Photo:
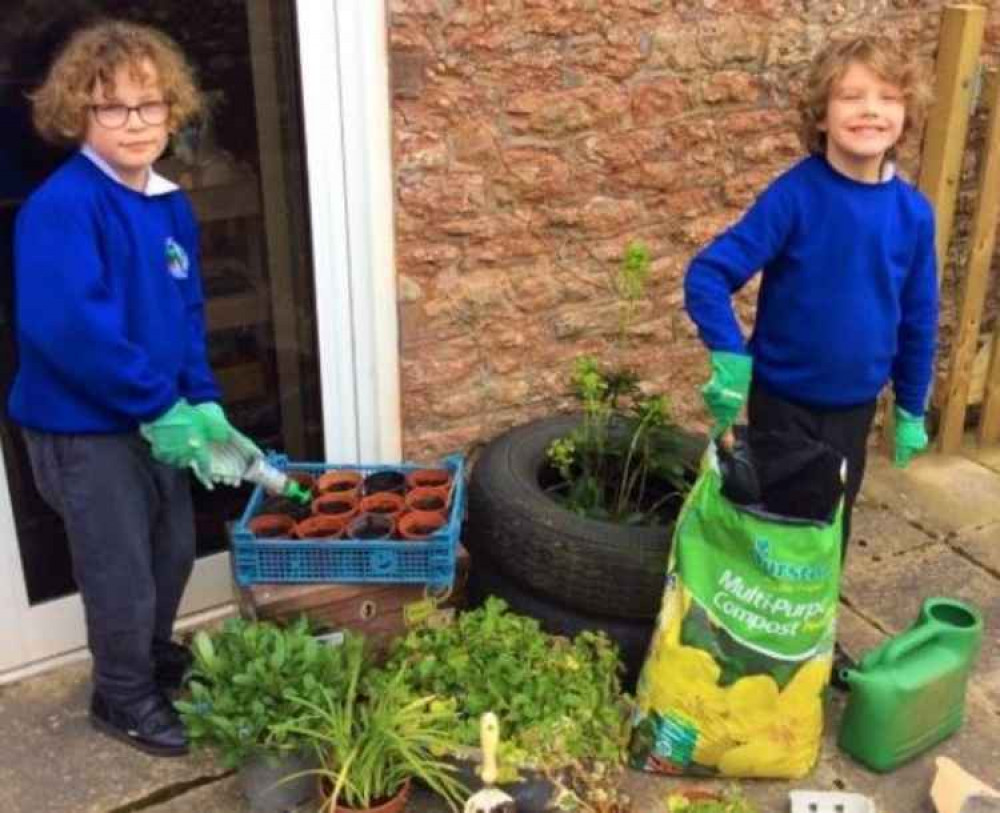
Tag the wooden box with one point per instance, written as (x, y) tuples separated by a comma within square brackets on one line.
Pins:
[(375, 610)]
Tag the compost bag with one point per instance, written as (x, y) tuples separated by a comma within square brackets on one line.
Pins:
[(734, 678)]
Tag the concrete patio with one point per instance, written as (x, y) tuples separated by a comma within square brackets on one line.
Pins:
[(931, 530)]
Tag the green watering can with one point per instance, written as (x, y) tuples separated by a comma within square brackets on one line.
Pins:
[(908, 694)]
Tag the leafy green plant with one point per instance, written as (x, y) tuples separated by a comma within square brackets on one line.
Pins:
[(244, 678), (626, 440), (375, 736), (559, 701)]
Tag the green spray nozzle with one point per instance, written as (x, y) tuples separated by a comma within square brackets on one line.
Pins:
[(296, 492)]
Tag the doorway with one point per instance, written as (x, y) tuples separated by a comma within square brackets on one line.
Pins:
[(245, 170)]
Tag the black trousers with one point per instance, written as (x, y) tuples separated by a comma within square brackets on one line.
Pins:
[(843, 429), (130, 525)]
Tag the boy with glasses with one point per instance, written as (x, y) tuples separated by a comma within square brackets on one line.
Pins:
[(113, 388)]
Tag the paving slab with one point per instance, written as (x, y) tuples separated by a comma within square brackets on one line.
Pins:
[(47, 737), (943, 493), (890, 591), (982, 545)]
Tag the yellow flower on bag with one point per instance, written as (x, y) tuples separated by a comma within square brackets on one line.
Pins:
[(780, 730)]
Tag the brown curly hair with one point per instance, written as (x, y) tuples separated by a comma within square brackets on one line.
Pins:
[(95, 53), (881, 55)]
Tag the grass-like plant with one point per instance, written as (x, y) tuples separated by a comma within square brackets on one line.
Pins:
[(370, 742)]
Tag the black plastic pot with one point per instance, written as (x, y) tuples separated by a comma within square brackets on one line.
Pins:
[(370, 526)]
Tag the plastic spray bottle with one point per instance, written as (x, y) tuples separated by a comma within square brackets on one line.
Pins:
[(275, 482)]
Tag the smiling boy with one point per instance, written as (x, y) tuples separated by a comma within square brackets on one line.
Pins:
[(848, 297)]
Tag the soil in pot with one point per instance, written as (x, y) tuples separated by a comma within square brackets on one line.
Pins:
[(370, 526), (283, 505), (335, 505), (340, 481), (397, 804), (322, 526), (271, 526), (388, 503), (428, 478), (420, 524), (385, 480), (427, 498)]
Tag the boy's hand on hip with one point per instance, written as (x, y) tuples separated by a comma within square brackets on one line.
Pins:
[(726, 391), (178, 437), (911, 437)]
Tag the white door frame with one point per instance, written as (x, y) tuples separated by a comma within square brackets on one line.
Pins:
[(345, 81), (343, 46)]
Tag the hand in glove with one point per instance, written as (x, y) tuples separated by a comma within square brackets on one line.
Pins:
[(227, 463), (726, 391), (178, 437), (911, 437), (218, 429)]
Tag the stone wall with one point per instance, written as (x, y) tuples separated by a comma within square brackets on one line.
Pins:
[(533, 138)]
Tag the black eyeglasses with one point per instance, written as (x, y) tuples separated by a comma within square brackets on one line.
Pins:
[(114, 116)]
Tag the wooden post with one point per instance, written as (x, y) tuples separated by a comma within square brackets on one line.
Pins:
[(975, 284), (947, 127), (948, 123)]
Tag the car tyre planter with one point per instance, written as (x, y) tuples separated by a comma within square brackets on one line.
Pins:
[(595, 567)]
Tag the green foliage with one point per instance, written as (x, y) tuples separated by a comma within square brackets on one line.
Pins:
[(244, 679), (626, 439), (558, 701), (375, 735)]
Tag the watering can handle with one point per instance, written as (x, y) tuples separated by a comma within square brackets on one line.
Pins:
[(907, 642)]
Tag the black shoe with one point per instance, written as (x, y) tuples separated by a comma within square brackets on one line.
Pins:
[(841, 662), (170, 665), (150, 724)]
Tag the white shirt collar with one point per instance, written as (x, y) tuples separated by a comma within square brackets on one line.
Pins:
[(156, 184)]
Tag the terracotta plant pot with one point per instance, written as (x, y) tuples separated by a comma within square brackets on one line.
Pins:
[(425, 498), (386, 480), (397, 804), (370, 526), (384, 502), (339, 482), (322, 526), (428, 478), (336, 505), (271, 526), (420, 524)]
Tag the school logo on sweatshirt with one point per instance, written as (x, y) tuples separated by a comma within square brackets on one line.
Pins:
[(177, 259)]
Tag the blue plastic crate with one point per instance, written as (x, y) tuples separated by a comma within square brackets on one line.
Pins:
[(430, 561)]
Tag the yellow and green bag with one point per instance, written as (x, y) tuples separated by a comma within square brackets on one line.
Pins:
[(734, 679)]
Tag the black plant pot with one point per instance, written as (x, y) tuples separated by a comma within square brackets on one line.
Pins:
[(385, 480)]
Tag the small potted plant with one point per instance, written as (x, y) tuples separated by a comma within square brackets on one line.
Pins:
[(240, 684), (374, 738)]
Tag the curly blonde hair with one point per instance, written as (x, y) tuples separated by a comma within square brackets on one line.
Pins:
[(94, 54), (881, 55)]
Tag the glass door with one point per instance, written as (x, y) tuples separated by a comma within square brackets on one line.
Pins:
[(243, 168)]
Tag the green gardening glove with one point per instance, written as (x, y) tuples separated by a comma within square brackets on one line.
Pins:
[(218, 429), (178, 437), (726, 391), (911, 437)]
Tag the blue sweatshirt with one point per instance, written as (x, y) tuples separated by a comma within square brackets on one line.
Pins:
[(849, 294), (108, 305)]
